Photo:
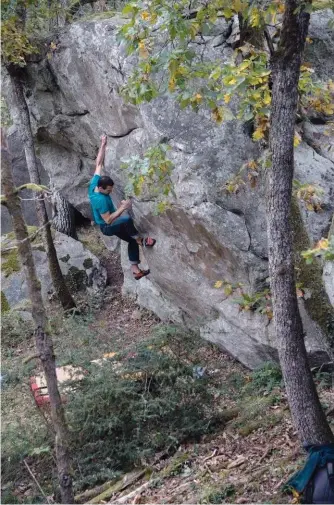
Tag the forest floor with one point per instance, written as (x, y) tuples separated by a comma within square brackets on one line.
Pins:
[(246, 459)]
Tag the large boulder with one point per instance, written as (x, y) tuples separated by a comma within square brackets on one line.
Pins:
[(81, 269), (207, 235)]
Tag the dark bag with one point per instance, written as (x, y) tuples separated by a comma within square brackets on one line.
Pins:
[(320, 488), (315, 481)]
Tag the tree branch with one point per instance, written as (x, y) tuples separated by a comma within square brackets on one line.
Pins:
[(269, 41)]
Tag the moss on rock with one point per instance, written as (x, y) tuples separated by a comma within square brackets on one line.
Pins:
[(76, 278), (5, 307), (10, 263), (88, 263), (318, 304)]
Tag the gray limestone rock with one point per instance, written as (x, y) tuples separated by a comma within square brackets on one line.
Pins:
[(207, 235), (82, 270)]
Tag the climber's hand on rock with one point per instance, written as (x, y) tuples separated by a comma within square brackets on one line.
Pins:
[(104, 140), (126, 204)]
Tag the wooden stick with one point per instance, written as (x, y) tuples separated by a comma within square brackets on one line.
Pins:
[(211, 456), (133, 494), (36, 482), (90, 493), (120, 486)]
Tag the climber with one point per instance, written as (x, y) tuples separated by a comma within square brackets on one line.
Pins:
[(110, 219)]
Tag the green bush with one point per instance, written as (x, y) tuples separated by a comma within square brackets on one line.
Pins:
[(324, 380), (20, 440), (14, 331), (128, 408), (266, 377)]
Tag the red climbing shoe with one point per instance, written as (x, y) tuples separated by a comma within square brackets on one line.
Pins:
[(148, 242), (140, 274)]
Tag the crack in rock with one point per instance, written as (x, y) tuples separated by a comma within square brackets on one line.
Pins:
[(77, 113), (121, 135)]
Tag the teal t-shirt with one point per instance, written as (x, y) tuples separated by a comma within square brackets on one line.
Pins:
[(100, 203)]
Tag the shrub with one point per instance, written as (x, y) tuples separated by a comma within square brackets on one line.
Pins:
[(14, 331), (21, 440), (266, 377), (133, 405)]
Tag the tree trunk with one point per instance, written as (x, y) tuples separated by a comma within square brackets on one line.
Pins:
[(25, 127), (305, 406), (43, 341), (63, 215)]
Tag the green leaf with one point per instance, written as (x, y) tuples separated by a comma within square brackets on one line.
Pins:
[(248, 116), (129, 8)]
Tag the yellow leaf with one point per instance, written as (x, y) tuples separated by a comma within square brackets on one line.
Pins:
[(257, 94), (245, 64), (227, 98), (328, 109), (306, 67), (296, 140), (194, 27), (218, 284), (255, 18), (145, 15), (267, 99), (143, 52), (153, 18), (237, 5), (229, 81), (323, 243), (258, 134), (198, 98), (281, 8), (296, 496), (171, 84), (252, 164)]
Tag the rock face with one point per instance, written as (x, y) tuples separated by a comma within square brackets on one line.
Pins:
[(82, 270), (21, 176), (207, 235)]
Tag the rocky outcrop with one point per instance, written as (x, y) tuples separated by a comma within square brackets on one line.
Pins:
[(207, 235), (81, 269)]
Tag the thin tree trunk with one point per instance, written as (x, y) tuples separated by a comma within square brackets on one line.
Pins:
[(63, 215), (58, 281), (43, 340), (305, 406)]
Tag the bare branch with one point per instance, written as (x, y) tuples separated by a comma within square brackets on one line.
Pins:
[(269, 41), (36, 482)]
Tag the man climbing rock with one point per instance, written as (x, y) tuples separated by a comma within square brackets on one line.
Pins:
[(110, 219)]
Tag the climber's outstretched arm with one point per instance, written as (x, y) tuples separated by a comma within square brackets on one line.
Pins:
[(100, 156)]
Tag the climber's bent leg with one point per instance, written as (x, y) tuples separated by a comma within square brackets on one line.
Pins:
[(121, 224), (124, 229)]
